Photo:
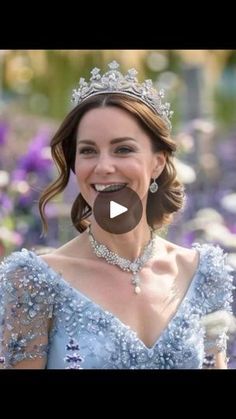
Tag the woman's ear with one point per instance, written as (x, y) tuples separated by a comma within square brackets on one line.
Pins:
[(160, 162)]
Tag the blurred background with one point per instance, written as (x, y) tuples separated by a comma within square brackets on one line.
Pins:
[(35, 95)]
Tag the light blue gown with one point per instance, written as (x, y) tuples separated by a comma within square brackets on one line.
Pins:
[(85, 336)]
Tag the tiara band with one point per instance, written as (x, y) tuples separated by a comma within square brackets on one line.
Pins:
[(113, 81)]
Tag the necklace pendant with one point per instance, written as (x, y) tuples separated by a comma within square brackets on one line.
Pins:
[(135, 282), (137, 289)]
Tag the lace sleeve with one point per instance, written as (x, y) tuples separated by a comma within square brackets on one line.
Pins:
[(217, 291), (25, 310)]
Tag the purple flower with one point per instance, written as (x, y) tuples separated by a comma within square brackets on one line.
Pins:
[(35, 160), (24, 201), (4, 128), (227, 149), (19, 174), (6, 205), (232, 354), (232, 228), (188, 238)]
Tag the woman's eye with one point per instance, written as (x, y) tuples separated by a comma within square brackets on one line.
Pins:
[(86, 150), (124, 150)]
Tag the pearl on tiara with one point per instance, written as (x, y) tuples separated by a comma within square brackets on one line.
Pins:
[(113, 81)]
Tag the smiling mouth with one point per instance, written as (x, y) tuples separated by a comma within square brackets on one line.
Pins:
[(109, 188)]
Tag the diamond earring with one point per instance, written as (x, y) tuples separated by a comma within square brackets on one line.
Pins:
[(153, 187)]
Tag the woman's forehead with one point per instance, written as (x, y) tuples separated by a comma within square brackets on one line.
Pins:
[(109, 119)]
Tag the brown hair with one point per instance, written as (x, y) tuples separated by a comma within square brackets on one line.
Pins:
[(160, 205)]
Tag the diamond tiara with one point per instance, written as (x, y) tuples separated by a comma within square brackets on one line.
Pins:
[(113, 81)]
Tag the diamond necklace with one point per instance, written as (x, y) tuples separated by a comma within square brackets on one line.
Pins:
[(113, 258)]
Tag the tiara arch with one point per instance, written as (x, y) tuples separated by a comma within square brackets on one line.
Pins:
[(113, 81)]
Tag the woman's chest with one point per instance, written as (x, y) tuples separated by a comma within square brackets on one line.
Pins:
[(147, 314), (104, 341)]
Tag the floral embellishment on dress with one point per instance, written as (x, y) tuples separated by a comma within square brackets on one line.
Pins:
[(2, 360), (73, 359)]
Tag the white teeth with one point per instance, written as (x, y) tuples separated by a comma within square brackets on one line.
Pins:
[(111, 187)]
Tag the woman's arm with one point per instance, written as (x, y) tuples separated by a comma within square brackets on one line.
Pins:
[(221, 361), (25, 313)]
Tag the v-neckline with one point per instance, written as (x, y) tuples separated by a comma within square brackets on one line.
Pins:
[(116, 318)]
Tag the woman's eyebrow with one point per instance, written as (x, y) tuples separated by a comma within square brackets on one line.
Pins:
[(114, 141)]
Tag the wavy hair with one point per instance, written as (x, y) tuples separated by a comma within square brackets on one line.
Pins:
[(160, 206)]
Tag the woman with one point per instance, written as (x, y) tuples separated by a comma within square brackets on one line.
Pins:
[(126, 299)]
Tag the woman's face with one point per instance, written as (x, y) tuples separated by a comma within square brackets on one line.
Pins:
[(113, 149)]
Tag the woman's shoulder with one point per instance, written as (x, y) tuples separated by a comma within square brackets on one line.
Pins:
[(213, 276), (210, 260), (61, 258), (216, 277), (25, 269), (206, 255), (17, 260), (186, 259), (57, 262), (214, 262), (23, 258)]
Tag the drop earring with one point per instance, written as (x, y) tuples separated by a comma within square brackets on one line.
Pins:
[(154, 186)]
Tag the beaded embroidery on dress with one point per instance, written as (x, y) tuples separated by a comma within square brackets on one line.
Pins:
[(31, 294)]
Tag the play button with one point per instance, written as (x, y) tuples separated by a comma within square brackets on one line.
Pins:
[(116, 209), (118, 212)]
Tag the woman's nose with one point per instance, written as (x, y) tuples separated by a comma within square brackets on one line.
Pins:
[(104, 164)]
